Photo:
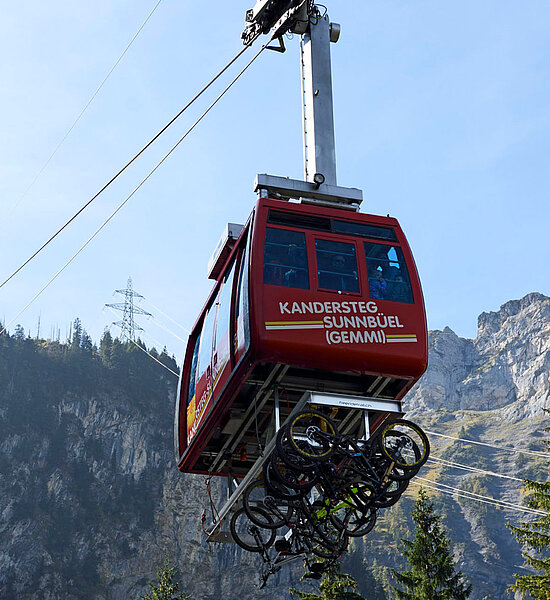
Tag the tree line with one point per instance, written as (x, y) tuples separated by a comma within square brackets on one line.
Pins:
[(431, 572)]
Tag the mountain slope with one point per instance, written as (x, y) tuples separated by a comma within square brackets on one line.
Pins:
[(90, 499)]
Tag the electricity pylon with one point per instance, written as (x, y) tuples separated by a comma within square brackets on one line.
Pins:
[(128, 308)]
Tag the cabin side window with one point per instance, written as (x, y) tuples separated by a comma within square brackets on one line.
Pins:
[(241, 324), (222, 342), (336, 266), (193, 371), (205, 352), (285, 258), (387, 273)]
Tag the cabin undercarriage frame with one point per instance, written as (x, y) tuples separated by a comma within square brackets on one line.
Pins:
[(354, 415)]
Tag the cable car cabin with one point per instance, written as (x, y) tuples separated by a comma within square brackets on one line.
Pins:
[(307, 298)]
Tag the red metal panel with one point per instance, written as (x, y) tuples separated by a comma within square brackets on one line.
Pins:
[(319, 329), (337, 331)]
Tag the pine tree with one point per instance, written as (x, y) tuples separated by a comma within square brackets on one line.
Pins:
[(105, 346), (334, 586), (432, 575), (535, 537), (77, 335), (166, 588)]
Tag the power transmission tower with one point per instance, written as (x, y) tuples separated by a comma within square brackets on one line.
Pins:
[(129, 309)]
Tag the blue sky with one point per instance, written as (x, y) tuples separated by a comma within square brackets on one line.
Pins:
[(442, 117)]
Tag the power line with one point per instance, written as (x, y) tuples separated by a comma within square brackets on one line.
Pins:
[(134, 191), (43, 168), (455, 489), (168, 317), (143, 349), (477, 497), (155, 359), (132, 160), (543, 454), (448, 463), (168, 330), (129, 309)]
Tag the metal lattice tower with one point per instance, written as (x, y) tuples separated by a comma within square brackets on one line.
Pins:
[(129, 309)]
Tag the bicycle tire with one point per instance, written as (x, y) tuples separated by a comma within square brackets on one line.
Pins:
[(411, 435), (327, 541), (309, 434), (243, 530), (355, 523), (296, 479), (255, 496), (276, 487), (290, 456)]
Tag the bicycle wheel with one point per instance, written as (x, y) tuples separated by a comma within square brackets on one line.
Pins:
[(249, 535), (277, 488), (391, 493), (312, 435), (326, 540), (288, 453), (279, 510), (402, 474), (297, 479), (354, 522), (405, 444)]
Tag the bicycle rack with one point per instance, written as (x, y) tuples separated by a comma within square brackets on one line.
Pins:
[(352, 408)]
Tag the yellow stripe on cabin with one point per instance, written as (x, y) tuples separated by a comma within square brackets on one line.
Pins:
[(294, 323)]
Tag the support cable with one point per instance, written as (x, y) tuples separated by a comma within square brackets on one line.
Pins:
[(450, 437), (43, 168), (167, 316), (484, 501), (473, 495), (155, 359), (133, 192), (448, 463), (168, 330), (143, 334), (135, 157)]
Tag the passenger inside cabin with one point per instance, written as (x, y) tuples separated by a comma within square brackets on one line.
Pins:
[(285, 259), (401, 290), (338, 275), (378, 286), (273, 267), (387, 272)]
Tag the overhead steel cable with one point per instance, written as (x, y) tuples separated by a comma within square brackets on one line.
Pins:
[(132, 160), (168, 317), (162, 326), (155, 359), (151, 355), (495, 503), (473, 496), (68, 132), (517, 450), (450, 464), (120, 206), (168, 330)]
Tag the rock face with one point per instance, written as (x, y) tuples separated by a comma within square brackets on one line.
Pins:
[(90, 500), (506, 366)]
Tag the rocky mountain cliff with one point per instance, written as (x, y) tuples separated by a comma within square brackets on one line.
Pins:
[(506, 367), (90, 500)]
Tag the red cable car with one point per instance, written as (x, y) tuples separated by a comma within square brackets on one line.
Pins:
[(308, 298)]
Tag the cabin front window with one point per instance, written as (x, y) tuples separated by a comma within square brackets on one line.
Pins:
[(285, 259), (387, 273), (336, 266)]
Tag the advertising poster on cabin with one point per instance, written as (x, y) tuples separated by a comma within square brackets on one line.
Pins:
[(199, 404)]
